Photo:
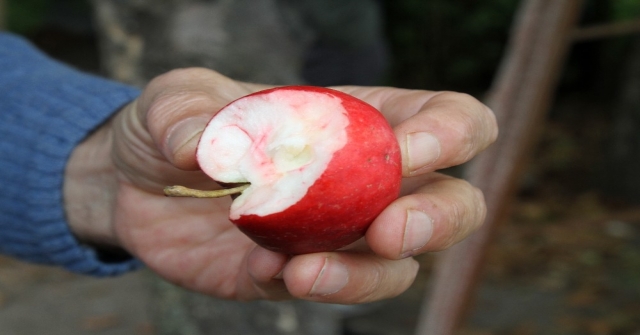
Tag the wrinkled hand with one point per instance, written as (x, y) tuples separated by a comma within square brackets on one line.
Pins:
[(122, 168)]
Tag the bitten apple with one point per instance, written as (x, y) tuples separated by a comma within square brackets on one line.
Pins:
[(317, 166)]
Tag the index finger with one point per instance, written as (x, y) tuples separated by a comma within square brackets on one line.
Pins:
[(435, 130)]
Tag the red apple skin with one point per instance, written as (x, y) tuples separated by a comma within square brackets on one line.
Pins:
[(360, 181)]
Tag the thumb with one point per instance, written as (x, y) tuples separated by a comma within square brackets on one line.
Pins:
[(181, 141), (176, 106)]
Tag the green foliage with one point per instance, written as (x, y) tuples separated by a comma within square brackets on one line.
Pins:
[(25, 16), (598, 65), (458, 45), (442, 44), (31, 16), (623, 10)]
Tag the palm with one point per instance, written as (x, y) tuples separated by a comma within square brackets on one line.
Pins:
[(188, 241)]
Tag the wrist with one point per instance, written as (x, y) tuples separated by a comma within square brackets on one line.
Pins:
[(89, 190)]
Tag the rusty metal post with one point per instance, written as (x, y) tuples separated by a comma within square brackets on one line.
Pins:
[(521, 95)]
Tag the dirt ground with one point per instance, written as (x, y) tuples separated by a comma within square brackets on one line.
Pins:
[(565, 277), (36, 300)]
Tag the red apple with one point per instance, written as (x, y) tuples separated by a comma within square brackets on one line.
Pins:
[(321, 165)]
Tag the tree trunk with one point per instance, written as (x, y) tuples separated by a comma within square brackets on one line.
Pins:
[(247, 40), (622, 177), (265, 41)]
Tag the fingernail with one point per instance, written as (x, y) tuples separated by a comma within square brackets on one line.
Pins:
[(417, 232), (332, 278), (184, 132), (423, 149)]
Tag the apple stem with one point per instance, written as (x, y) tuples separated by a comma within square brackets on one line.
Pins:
[(181, 191)]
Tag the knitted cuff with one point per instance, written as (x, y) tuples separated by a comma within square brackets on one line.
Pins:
[(46, 109)]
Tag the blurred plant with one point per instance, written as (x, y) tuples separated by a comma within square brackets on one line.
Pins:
[(623, 10), (28, 17), (25, 16), (440, 44), (457, 45)]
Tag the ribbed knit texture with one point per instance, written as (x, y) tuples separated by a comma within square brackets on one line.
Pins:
[(46, 109)]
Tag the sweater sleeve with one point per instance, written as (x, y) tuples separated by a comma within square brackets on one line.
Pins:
[(46, 109)]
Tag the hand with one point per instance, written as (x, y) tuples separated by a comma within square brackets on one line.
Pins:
[(114, 182)]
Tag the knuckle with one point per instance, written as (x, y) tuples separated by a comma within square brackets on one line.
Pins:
[(465, 212), (468, 120), (168, 108), (180, 75), (371, 287), (493, 124), (468, 134), (474, 123), (169, 78), (387, 280), (170, 103), (480, 207), (457, 224)]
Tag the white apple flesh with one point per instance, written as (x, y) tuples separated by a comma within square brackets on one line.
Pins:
[(320, 164)]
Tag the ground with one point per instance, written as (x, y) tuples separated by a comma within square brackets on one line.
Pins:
[(563, 277), (44, 300)]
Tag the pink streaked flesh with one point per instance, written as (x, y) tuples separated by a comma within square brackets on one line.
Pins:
[(282, 148)]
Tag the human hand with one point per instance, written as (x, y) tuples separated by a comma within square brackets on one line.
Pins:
[(114, 182)]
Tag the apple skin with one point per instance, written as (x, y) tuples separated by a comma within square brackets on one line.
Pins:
[(362, 179)]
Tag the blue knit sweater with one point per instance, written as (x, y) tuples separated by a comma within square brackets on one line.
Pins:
[(46, 109)]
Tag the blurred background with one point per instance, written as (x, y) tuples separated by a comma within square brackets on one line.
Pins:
[(567, 259)]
